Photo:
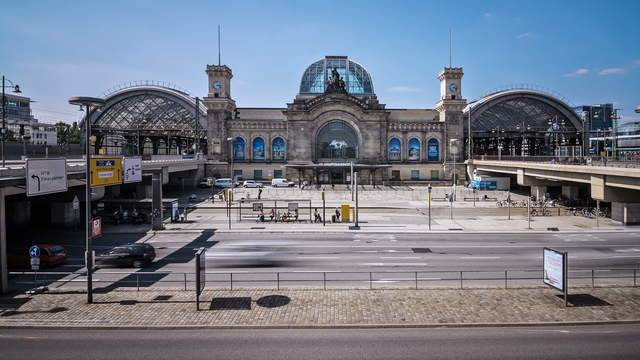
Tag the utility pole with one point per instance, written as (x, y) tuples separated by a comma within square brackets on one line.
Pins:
[(429, 204)]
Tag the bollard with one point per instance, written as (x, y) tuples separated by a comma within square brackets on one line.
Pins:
[(185, 281), (505, 279), (231, 280), (324, 280), (138, 281), (278, 278), (416, 280), (370, 281), (460, 279)]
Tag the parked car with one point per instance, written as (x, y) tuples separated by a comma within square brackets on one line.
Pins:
[(133, 255), (50, 255), (282, 183), (225, 183), (204, 182), (252, 184)]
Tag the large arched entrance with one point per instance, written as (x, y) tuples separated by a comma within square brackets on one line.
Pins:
[(336, 142), (522, 122)]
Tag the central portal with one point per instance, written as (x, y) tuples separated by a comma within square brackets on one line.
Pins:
[(337, 140)]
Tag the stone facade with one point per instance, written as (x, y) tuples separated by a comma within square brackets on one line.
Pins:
[(406, 144)]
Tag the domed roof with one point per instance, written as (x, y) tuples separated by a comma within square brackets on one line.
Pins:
[(356, 77)]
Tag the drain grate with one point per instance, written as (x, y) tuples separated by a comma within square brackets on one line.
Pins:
[(258, 228), (552, 229), (421, 250)]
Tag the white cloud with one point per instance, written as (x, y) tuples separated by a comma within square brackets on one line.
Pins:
[(404, 89), (612, 71), (524, 35), (581, 71), (487, 14)]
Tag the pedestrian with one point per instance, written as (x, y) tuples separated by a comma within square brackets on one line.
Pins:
[(259, 193), (316, 216), (272, 214), (337, 215)]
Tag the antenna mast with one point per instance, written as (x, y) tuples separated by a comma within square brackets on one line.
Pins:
[(449, 47), (219, 45)]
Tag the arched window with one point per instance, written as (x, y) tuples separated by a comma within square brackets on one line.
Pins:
[(277, 149), (337, 140), (394, 150), (238, 149), (162, 147), (258, 149), (147, 147), (433, 150), (414, 149)]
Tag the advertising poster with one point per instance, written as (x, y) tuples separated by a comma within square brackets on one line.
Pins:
[(554, 268)]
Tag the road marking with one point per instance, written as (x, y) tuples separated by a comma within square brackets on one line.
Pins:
[(399, 257), (317, 257), (393, 264), (478, 257), (628, 250), (316, 271), (626, 256)]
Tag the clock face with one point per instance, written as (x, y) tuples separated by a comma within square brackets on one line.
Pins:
[(217, 85), (453, 88)]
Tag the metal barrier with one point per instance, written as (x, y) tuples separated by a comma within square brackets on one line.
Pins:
[(411, 279)]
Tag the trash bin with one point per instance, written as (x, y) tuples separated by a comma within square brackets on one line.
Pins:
[(333, 218), (345, 213)]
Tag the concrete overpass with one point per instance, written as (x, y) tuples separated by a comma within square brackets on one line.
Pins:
[(606, 182)]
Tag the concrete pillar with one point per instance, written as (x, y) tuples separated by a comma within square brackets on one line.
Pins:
[(626, 213), (4, 276), (64, 215), (570, 192), (156, 202), (538, 191)]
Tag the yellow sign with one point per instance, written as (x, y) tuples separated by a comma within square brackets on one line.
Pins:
[(106, 171)]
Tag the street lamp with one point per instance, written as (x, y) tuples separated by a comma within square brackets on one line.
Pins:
[(453, 147), (90, 104), (230, 140), (16, 89)]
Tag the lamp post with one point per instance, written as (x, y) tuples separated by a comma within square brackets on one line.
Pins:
[(16, 89), (230, 140), (453, 146), (90, 104)]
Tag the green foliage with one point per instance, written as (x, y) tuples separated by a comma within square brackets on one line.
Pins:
[(68, 134)]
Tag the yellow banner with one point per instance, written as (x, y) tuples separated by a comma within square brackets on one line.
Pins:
[(106, 171)]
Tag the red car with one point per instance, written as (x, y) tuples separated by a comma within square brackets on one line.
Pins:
[(50, 255)]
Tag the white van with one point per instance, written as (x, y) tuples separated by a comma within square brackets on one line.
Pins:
[(282, 183)]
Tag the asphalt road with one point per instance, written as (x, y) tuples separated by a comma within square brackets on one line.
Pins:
[(394, 259), (541, 343)]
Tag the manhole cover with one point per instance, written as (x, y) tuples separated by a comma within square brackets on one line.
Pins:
[(421, 250)]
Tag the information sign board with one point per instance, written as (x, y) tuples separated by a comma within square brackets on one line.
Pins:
[(96, 227), (35, 263), (292, 206), (132, 169), (201, 279), (76, 203), (555, 268), (257, 206), (106, 171), (46, 176)]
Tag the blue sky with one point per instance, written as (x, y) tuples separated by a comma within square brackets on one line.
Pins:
[(587, 51)]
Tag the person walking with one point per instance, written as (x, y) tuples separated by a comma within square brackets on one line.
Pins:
[(259, 193), (337, 215)]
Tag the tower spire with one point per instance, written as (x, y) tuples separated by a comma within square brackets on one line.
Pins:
[(449, 47), (219, 62)]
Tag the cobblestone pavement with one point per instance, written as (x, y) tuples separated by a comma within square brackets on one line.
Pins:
[(308, 308)]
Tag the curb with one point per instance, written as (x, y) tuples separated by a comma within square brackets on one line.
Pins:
[(319, 326), (347, 231)]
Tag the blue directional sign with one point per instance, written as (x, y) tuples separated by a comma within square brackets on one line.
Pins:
[(34, 252)]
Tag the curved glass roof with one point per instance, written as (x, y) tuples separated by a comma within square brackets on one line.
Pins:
[(356, 77), (149, 112)]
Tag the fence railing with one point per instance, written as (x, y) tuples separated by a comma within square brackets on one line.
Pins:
[(619, 161), (332, 279)]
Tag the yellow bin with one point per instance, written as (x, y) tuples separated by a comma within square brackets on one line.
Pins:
[(345, 212)]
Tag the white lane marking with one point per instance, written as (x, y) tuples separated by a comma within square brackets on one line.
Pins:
[(628, 250), (317, 257), (478, 257), (410, 279), (626, 256), (393, 264), (399, 257), (316, 271)]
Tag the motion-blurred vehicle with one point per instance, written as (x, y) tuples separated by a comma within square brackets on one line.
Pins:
[(282, 183), (225, 183), (133, 255), (251, 184), (243, 256), (50, 255), (204, 183)]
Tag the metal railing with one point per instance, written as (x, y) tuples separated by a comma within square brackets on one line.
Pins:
[(621, 161), (344, 280)]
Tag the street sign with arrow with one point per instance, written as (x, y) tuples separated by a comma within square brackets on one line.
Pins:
[(46, 176)]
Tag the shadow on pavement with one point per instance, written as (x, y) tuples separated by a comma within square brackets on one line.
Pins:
[(580, 300), (230, 303)]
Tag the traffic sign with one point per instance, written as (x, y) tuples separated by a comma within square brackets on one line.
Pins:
[(96, 227), (132, 169), (106, 171), (46, 176), (76, 203), (34, 252), (35, 263)]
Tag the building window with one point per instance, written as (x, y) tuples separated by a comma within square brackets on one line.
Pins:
[(414, 149), (237, 174), (415, 174), (277, 149), (395, 174), (394, 150), (257, 174), (277, 174), (258, 149), (433, 150), (337, 140), (435, 174), (238, 149)]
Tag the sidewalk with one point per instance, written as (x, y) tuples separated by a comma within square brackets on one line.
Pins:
[(317, 308)]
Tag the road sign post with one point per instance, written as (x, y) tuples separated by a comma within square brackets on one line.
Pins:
[(429, 204), (324, 214), (34, 253)]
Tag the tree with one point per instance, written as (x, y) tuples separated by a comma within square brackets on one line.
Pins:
[(62, 130), (74, 134)]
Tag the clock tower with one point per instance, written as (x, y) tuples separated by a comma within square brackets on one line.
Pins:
[(451, 106), (220, 107)]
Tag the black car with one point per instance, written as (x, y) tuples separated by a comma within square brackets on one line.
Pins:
[(135, 255)]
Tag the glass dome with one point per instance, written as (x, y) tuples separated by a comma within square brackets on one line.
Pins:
[(356, 77)]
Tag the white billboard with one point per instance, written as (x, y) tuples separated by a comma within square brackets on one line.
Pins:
[(46, 176), (132, 169), (555, 268)]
